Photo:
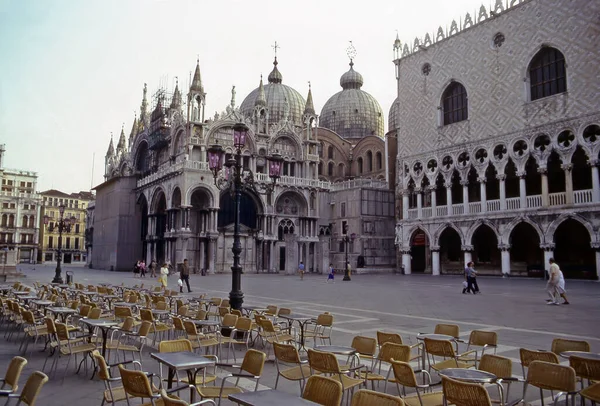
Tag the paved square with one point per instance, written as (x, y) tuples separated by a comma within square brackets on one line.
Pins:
[(514, 308)]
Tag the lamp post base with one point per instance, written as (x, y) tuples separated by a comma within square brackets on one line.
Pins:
[(346, 276), (58, 278)]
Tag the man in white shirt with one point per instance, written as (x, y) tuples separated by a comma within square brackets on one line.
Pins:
[(556, 284)]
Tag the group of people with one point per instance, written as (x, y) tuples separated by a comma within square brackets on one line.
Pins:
[(330, 274), (140, 268)]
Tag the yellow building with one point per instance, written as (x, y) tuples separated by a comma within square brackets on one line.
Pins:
[(73, 240)]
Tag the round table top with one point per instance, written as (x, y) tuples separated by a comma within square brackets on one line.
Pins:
[(206, 322), (435, 337), (336, 349), (469, 375), (158, 311), (581, 354)]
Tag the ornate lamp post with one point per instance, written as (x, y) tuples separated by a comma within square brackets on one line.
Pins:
[(236, 179), (63, 224), (346, 239)]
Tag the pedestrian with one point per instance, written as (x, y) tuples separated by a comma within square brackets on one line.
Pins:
[(143, 269), (331, 275), (153, 268), (136, 269), (184, 275), (164, 272), (556, 284), (348, 272), (301, 270), (471, 276)]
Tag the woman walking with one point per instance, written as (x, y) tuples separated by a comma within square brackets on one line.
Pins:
[(471, 276), (164, 272)]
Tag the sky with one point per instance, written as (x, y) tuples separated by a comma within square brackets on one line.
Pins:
[(72, 71)]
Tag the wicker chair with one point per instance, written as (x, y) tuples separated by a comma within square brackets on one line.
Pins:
[(560, 345), (388, 352), (252, 365), (444, 349), (585, 369), (171, 401), (271, 335), (136, 384), (365, 349), (186, 345), (112, 394), (200, 340), (365, 397), (157, 327), (326, 363), (447, 329), (405, 376), (552, 377), (483, 340), (464, 394), (322, 390), (592, 393), (287, 354), (528, 356), (240, 335), (320, 329), (502, 368), (31, 390), (10, 382), (71, 347)]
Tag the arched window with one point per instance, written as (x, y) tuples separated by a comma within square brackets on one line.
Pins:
[(454, 103), (330, 152), (547, 74), (369, 161), (4, 220), (24, 224), (320, 167), (330, 169), (341, 170), (31, 220), (11, 220), (286, 226), (379, 161), (359, 162)]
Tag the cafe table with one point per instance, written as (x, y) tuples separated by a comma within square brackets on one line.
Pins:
[(581, 354), (103, 325), (62, 312), (301, 319), (190, 362), (271, 397)]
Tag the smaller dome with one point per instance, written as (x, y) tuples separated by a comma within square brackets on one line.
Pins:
[(393, 116), (351, 79), (275, 76)]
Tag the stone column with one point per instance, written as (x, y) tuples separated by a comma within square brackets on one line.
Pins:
[(522, 190), (315, 262), (405, 204), (449, 197), (548, 253), (433, 201), (595, 181), (406, 260), (465, 185), (544, 175), (419, 203), (596, 247), (501, 179), (435, 260), (184, 246), (468, 250), (483, 192), (202, 258), (505, 259), (568, 168), (212, 254)]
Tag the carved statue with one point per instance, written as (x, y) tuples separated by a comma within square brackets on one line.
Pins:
[(398, 240)]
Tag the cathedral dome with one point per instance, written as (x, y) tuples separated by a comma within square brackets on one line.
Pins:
[(276, 95), (393, 116), (352, 113)]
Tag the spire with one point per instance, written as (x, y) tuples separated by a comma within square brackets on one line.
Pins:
[(143, 110), (275, 76), (121, 143), (176, 101), (197, 81), (309, 109), (261, 100), (133, 130), (111, 149)]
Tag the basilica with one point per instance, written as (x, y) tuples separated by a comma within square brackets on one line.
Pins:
[(497, 123), (334, 200)]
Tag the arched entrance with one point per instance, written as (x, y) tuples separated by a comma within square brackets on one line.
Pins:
[(450, 251), (200, 224), (419, 245), (485, 248), (572, 250), (248, 210), (526, 256)]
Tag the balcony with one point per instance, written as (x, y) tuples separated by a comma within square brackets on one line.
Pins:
[(512, 204)]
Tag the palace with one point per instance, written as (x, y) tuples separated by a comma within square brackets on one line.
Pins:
[(497, 122)]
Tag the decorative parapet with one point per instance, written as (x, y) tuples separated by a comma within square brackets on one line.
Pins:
[(420, 44)]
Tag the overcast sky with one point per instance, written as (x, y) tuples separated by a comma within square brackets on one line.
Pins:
[(72, 71)]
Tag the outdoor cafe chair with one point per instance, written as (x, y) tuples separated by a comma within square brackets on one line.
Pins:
[(184, 345), (464, 394), (384, 337), (320, 329), (483, 340), (239, 335), (445, 350), (553, 377), (170, 401), (201, 340), (501, 367), (560, 345), (528, 356), (10, 382), (289, 365), (111, 394), (365, 397), (592, 393), (137, 384), (405, 376), (31, 390), (387, 353), (322, 390)]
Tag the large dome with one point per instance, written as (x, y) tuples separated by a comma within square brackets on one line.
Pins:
[(274, 96), (352, 113), (393, 116)]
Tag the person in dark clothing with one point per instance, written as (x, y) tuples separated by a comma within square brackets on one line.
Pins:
[(184, 275), (470, 275)]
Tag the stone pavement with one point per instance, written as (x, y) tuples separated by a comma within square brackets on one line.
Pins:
[(407, 304)]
